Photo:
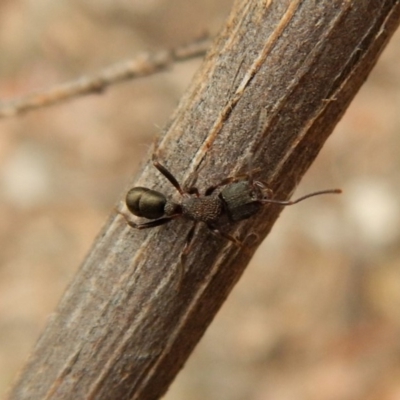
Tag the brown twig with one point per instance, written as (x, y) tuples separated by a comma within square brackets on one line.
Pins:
[(122, 330), (143, 65)]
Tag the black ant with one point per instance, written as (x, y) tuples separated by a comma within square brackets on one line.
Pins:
[(240, 198)]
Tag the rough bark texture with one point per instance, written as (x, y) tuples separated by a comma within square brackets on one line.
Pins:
[(122, 330)]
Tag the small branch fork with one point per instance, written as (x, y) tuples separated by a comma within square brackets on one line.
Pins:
[(144, 64)]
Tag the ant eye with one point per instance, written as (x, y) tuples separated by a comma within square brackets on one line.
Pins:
[(267, 193)]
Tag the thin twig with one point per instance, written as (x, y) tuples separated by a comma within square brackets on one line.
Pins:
[(144, 64)]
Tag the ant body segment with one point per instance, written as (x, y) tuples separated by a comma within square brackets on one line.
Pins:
[(240, 198)]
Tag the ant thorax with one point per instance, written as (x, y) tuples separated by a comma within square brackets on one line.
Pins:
[(206, 209)]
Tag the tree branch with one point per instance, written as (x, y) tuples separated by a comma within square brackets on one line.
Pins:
[(122, 330), (143, 65)]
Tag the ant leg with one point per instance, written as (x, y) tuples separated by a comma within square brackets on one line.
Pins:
[(189, 244), (224, 182), (231, 179), (224, 235), (184, 254), (151, 224), (193, 190), (261, 125), (168, 175), (174, 182)]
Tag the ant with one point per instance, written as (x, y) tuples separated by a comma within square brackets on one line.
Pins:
[(240, 198)]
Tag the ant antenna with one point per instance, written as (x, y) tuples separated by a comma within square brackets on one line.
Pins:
[(291, 202)]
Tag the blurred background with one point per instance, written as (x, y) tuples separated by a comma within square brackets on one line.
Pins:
[(317, 313)]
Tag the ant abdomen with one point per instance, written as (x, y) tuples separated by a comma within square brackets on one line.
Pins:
[(147, 203)]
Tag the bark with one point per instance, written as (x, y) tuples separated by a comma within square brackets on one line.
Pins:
[(123, 330)]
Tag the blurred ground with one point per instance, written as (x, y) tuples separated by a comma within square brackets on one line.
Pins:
[(317, 314)]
